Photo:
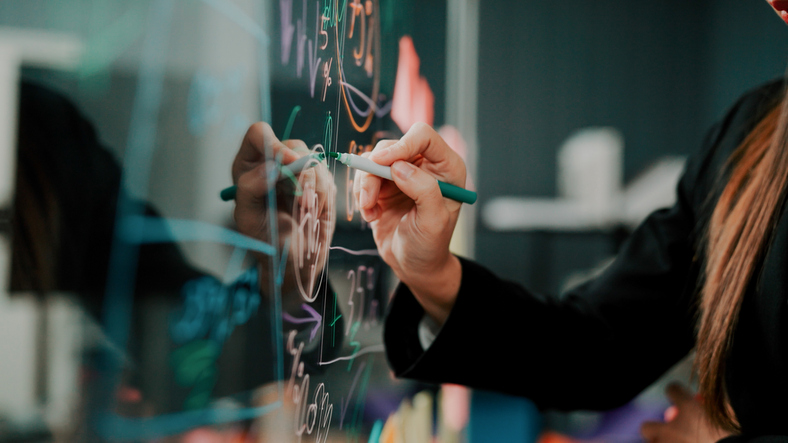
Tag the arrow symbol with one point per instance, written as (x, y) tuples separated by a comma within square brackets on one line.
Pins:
[(314, 316)]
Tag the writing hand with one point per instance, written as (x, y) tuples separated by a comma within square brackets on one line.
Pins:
[(305, 218), (685, 422), (411, 222)]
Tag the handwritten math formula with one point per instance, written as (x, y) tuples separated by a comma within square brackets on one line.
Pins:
[(290, 335), (329, 54)]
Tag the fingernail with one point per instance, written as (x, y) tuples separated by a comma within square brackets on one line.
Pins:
[(403, 169), (370, 215)]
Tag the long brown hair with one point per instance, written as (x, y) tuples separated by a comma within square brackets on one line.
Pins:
[(737, 239)]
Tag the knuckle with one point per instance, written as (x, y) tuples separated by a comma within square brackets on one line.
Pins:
[(257, 128), (383, 144), (296, 145), (245, 187), (408, 147), (422, 127), (366, 182)]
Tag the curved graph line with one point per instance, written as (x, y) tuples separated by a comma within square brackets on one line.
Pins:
[(379, 111), (141, 229), (117, 428), (352, 252), (376, 71), (367, 350), (290, 121), (385, 109)]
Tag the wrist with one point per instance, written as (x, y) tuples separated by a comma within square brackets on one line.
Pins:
[(437, 291)]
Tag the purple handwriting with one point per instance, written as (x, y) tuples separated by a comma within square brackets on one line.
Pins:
[(314, 317)]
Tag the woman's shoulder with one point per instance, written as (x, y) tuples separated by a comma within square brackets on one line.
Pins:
[(706, 169), (741, 118), (753, 105)]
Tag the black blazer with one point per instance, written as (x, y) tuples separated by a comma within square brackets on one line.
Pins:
[(602, 343)]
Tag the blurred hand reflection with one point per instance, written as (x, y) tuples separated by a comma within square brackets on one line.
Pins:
[(305, 217)]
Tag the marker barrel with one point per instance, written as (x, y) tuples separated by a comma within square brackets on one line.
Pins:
[(365, 164), (447, 190), (294, 168), (457, 193)]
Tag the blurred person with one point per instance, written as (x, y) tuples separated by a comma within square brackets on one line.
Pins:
[(707, 274), (63, 219), (63, 226)]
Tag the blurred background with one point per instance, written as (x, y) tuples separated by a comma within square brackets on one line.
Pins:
[(575, 118)]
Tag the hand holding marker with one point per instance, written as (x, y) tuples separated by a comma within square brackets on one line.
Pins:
[(356, 161), (412, 222), (421, 227), (293, 168)]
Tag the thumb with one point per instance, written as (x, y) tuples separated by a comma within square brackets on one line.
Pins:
[(423, 189)]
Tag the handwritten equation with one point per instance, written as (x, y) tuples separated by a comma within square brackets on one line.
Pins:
[(320, 298)]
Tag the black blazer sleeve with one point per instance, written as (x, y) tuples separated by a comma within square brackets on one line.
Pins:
[(595, 347), (602, 343), (760, 439)]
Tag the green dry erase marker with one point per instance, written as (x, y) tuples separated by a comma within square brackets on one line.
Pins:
[(294, 168), (447, 190)]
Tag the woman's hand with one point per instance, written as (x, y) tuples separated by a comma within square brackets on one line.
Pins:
[(411, 222), (685, 422), (304, 210)]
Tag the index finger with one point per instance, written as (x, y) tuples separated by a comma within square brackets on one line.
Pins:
[(365, 191), (257, 137), (367, 186), (422, 140), (296, 146), (254, 149)]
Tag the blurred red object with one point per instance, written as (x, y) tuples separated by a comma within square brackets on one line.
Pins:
[(552, 437), (413, 99)]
